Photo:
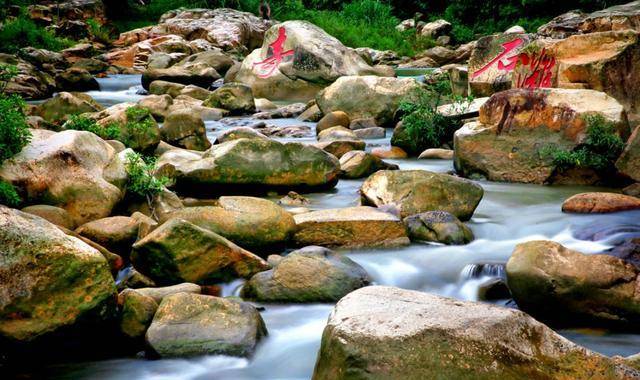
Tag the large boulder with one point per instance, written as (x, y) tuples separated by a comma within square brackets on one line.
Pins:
[(215, 58), (199, 76), (74, 170), (566, 287), (234, 97), (416, 191), (367, 97), (351, 227), (179, 251), (439, 227), (361, 164), (297, 60), (137, 127), (245, 163), (31, 82), (49, 279), (185, 129), (597, 203), (192, 324), (64, 104), (311, 274), (616, 18), (115, 233), (252, 223), (507, 142), (157, 52), (389, 333), (137, 313), (76, 79), (492, 62)]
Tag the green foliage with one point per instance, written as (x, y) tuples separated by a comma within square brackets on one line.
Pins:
[(141, 181), (22, 32), (98, 32), (83, 123), (14, 130), (139, 123), (8, 195), (423, 126), (7, 72), (600, 150)]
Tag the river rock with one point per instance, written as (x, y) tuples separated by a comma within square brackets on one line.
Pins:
[(339, 148), (367, 97), (596, 203), (215, 58), (76, 79), (629, 162), (333, 119), (129, 117), (74, 170), (297, 60), (234, 97), (190, 324), (370, 133), (137, 313), (31, 82), (360, 164), (43, 59), (162, 87), (201, 77), (615, 18), (351, 227), (179, 251), (252, 223), (158, 105), (157, 294), (393, 152), (563, 286), (64, 104), (115, 233), (239, 133), (186, 130), (514, 125), (439, 227), (245, 163), (389, 333), (56, 215), (311, 274), (435, 29), (49, 280), (417, 191), (492, 62), (336, 134)]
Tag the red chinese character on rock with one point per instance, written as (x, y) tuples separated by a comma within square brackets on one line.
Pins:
[(538, 69), (275, 56), (511, 60)]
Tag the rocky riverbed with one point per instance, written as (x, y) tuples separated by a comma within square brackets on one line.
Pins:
[(239, 198)]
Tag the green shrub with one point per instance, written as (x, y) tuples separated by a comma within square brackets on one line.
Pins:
[(139, 123), (7, 72), (98, 32), (142, 184), (83, 123), (22, 32), (8, 195), (599, 151), (423, 126), (14, 130)]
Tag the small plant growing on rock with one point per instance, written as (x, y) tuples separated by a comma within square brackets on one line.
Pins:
[(98, 32), (8, 195), (599, 151), (14, 130), (83, 123), (142, 183), (139, 124)]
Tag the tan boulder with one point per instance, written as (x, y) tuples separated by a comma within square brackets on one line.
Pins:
[(596, 203)]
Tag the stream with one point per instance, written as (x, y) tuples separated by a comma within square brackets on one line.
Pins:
[(508, 214)]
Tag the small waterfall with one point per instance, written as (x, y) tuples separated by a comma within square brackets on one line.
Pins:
[(474, 271)]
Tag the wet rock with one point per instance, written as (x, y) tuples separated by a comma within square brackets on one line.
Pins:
[(162, 87), (60, 107), (252, 223), (290, 111), (56, 215), (138, 129), (215, 58), (370, 133), (391, 333), (333, 119), (629, 162), (596, 203), (293, 199), (366, 97), (311, 274), (392, 153), (189, 325), (158, 294), (92, 65), (234, 97), (310, 60), (158, 105), (179, 251), (245, 163), (195, 92), (74, 170), (186, 130), (563, 286), (182, 102), (115, 233), (362, 123), (360, 164), (417, 191), (76, 79), (436, 153), (351, 227), (336, 134), (339, 148), (31, 82), (202, 77), (137, 313), (493, 289), (506, 143), (49, 280), (263, 104), (632, 190), (239, 133), (131, 278), (311, 114), (439, 227)]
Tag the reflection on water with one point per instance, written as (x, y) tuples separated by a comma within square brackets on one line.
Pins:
[(508, 214)]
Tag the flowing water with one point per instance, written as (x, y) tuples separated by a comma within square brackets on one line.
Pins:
[(508, 214)]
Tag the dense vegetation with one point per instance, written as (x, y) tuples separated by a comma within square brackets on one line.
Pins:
[(142, 183)]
